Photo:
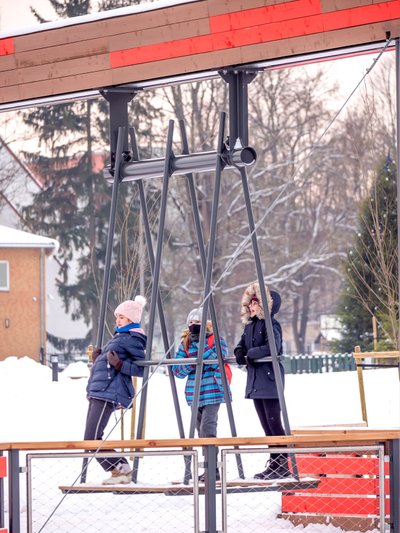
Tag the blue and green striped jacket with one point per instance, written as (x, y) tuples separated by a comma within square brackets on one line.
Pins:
[(211, 388)]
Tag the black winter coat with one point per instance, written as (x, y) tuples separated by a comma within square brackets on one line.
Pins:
[(260, 376)]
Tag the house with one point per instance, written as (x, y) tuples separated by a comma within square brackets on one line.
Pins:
[(23, 258), (18, 185)]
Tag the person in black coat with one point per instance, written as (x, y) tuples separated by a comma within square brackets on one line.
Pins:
[(261, 385), (110, 383)]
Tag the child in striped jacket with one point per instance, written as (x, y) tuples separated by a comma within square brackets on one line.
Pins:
[(211, 386)]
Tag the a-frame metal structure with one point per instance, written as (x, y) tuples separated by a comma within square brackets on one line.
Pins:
[(231, 152)]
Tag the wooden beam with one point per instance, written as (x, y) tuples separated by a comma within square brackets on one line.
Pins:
[(184, 39), (317, 437)]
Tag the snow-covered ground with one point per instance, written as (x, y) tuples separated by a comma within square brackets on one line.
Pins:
[(34, 408)]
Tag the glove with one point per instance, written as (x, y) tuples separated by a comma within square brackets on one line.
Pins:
[(114, 360), (240, 356), (95, 354), (240, 359)]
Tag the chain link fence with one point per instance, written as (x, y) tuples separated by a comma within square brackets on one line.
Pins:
[(343, 487)]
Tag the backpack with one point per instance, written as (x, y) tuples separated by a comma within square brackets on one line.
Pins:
[(227, 366)]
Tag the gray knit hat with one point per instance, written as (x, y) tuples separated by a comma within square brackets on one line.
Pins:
[(195, 315)]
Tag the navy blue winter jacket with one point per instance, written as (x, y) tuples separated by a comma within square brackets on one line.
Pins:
[(260, 376), (108, 384)]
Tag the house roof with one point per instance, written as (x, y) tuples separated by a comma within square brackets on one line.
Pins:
[(14, 238)]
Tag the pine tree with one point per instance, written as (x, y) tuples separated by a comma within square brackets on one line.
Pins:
[(371, 270), (74, 204)]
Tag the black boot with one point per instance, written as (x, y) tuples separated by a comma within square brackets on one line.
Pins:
[(277, 468), (283, 470), (202, 477)]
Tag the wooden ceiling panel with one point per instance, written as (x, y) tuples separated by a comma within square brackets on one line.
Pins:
[(183, 39)]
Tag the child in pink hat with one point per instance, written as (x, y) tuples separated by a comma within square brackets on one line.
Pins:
[(110, 383)]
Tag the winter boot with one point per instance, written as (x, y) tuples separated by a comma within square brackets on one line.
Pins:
[(202, 477), (121, 474), (277, 468), (282, 469)]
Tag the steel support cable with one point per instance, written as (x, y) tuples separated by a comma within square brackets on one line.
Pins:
[(104, 441), (246, 240)]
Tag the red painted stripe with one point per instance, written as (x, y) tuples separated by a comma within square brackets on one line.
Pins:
[(334, 464), (346, 485), (265, 15), (7, 46), (337, 465), (3, 467), (159, 51), (332, 506), (260, 33), (307, 26)]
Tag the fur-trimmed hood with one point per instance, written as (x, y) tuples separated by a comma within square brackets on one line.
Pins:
[(273, 300)]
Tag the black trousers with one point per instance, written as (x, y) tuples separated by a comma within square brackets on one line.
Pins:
[(98, 415), (269, 414)]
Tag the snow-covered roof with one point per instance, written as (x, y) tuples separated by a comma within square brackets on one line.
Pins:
[(14, 238), (93, 17)]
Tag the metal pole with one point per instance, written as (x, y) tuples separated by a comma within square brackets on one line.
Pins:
[(200, 243), (186, 163), (110, 238), (397, 56), (13, 491), (211, 453), (394, 486), (118, 102), (208, 278), (107, 264), (160, 306), (238, 81), (155, 287), (42, 306), (238, 104), (1, 497), (54, 367), (268, 321)]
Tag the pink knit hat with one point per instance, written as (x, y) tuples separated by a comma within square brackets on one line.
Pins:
[(132, 309)]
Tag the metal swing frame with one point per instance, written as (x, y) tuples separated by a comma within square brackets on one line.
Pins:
[(232, 152)]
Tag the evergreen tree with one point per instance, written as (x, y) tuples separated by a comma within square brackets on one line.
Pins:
[(74, 204), (371, 270)]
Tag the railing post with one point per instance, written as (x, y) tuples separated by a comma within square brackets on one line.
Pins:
[(54, 367), (394, 486), (13, 491), (3, 473), (210, 455)]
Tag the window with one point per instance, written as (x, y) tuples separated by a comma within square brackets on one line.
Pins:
[(4, 276)]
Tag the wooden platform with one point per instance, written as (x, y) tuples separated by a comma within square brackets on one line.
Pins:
[(245, 485)]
